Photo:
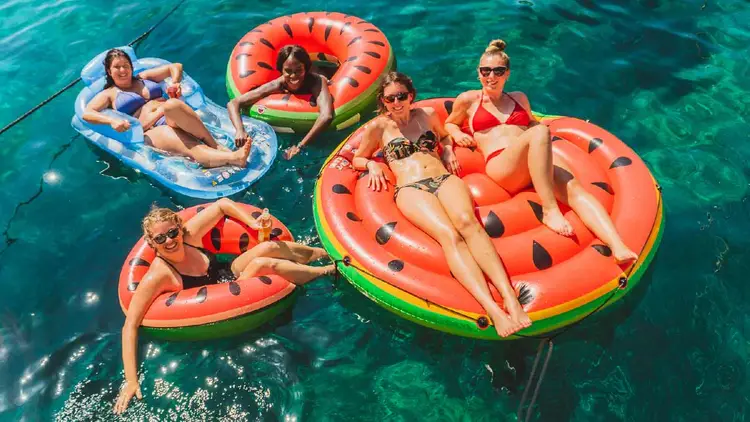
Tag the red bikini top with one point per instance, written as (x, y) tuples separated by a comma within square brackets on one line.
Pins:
[(483, 119)]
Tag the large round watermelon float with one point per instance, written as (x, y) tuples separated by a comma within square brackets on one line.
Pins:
[(560, 280), (216, 310), (359, 50)]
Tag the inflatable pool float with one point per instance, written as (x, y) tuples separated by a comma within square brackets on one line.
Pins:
[(560, 280), (358, 47), (176, 173), (216, 310)]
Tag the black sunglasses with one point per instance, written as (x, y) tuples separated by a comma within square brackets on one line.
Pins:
[(172, 233), (498, 71), (401, 96)]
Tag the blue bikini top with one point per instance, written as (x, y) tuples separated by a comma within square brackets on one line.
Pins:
[(129, 102)]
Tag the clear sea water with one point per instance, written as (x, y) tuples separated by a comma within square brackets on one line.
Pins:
[(668, 77)]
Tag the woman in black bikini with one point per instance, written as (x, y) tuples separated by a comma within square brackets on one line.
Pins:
[(182, 265), (296, 77), (432, 198)]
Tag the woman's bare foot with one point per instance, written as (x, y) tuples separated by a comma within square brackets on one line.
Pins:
[(317, 254), (240, 156), (554, 219), (623, 254), (328, 269), (503, 323), (516, 312)]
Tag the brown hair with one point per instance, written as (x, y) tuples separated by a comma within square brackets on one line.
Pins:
[(497, 48), (392, 78), (159, 215)]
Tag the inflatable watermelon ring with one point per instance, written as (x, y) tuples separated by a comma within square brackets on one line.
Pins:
[(359, 46), (216, 310), (560, 280)]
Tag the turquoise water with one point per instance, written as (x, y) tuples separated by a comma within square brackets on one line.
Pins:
[(669, 78)]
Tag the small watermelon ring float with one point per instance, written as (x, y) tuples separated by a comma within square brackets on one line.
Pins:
[(560, 280), (216, 310), (361, 50)]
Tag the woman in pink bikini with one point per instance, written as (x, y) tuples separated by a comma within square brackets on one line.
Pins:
[(518, 151)]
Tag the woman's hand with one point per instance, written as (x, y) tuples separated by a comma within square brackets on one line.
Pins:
[(450, 161), (292, 151), (130, 389), (377, 177), (463, 139), (120, 125), (174, 90)]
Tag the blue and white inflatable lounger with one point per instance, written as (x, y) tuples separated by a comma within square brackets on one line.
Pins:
[(179, 174)]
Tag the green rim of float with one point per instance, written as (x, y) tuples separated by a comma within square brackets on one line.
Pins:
[(344, 116), (461, 325), (226, 328)]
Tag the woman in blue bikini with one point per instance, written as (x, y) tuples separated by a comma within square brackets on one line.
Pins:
[(168, 124), (433, 199)]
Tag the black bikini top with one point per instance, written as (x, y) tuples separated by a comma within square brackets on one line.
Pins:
[(216, 271), (400, 148)]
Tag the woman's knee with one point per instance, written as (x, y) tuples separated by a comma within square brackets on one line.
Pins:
[(448, 237), (266, 248), (172, 105), (465, 222), (540, 134)]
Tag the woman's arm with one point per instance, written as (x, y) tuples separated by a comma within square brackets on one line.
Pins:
[(149, 288), (325, 116), (370, 143), (158, 74), (92, 113), (247, 100), (202, 222), (448, 156), (459, 113)]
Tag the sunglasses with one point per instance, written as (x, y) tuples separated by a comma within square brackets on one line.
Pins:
[(498, 71), (172, 233), (401, 96)]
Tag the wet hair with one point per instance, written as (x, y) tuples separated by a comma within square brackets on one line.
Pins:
[(159, 215), (497, 48), (392, 78), (296, 51), (109, 58)]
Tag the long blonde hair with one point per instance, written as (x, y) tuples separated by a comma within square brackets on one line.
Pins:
[(497, 48)]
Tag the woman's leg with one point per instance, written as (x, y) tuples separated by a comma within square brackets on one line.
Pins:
[(529, 158), (459, 206), (281, 258), (425, 211), (296, 273), (290, 251), (179, 142), (180, 116), (569, 191)]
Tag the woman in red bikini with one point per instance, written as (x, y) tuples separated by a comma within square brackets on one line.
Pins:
[(518, 151), (420, 154)]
